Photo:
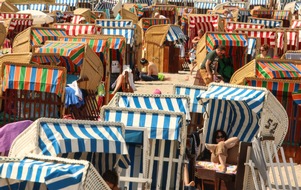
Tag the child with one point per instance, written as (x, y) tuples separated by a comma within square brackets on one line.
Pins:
[(111, 178), (192, 56)]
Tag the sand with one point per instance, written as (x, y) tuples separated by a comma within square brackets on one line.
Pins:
[(166, 87)]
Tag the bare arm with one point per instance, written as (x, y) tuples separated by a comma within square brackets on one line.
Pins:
[(208, 67), (149, 71), (195, 40)]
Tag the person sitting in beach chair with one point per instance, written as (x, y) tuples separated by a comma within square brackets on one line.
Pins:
[(152, 71), (125, 81), (196, 39), (111, 178), (209, 67), (219, 148)]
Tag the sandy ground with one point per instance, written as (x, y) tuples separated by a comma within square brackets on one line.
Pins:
[(166, 87)]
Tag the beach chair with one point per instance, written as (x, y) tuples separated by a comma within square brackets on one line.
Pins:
[(231, 26), (57, 7), (9, 132), (288, 39), (35, 37), (79, 61), (40, 92), (159, 43), (16, 25), (7, 15), (83, 14), (45, 172), (6, 6), (38, 6), (77, 29), (283, 90), (262, 13), (260, 113), (268, 23), (267, 68), (202, 7), (70, 3), (169, 11), (236, 45), (166, 138), (285, 16), (101, 143), (264, 36), (22, 6), (292, 55)]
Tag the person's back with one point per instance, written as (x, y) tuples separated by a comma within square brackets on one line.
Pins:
[(152, 69)]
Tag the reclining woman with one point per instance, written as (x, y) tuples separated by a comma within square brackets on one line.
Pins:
[(219, 148)]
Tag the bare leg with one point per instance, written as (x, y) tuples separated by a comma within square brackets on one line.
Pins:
[(194, 64), (186, 177), (231, 142), (118, 84), (222, 160)]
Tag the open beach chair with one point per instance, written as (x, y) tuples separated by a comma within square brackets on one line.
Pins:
[(39, 93), (35, 37), (79, 61), (243, 112), (264, 36), (288, 39), (49, 173), (159, 42), (101, 143), (16, 25), (166, 134)]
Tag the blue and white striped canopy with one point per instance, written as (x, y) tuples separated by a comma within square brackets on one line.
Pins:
[(173, 103), (37, 7), (160, 124), (62, 8), (234, 109), (192, 92), (115, 23), (297, 6), (175, 33), (243, 15), (71, 3), (55, 175), (266, 23), (252, 46), (259, 2), (22, 7), (59, 137), (204, 5), (128, 33)]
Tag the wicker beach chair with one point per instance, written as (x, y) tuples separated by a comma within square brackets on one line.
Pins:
[(35, 37), (268, 23), (41, 92), (166, 138), (259, 113), (101, 143), (292, 55), (45, 172)]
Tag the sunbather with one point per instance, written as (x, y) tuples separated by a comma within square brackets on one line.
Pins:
[(219, 148)]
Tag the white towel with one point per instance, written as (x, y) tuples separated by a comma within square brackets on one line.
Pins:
[(77, 90)]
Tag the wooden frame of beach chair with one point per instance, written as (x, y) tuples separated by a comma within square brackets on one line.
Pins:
[(248, 70), (175, 145), (32, 36), (126, 14), (88, 178), (290, 55), (107, 148), (87, 14), (265, 36), (89, 63), (16, 25), (115, 41), (160, 48), (268, 23), (283, 89), (169, 11), (6, 6), (204, 46), (22, 100), (2, 33)]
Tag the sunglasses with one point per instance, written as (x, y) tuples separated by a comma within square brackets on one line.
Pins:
[(261, 50), (220, 137)]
